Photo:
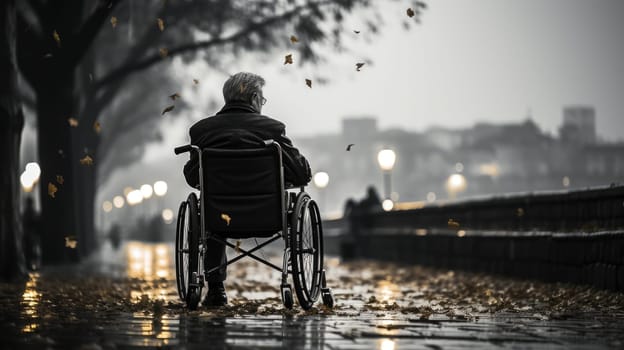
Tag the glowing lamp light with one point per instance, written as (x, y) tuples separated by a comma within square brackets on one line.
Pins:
[(134, 197), (147, 191), (387, 204), (107, 206), (321, 179), (167, 215), (160, 188), (27, 181), (34, 169), (456, 183), (386, 159), (118, 202)]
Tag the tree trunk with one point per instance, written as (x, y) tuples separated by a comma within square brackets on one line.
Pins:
[(60, 222), (12, 264)]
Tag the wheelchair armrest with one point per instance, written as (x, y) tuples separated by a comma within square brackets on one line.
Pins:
[(184, 149)]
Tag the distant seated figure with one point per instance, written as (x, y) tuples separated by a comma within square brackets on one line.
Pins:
[(371, 202), (239, 125)]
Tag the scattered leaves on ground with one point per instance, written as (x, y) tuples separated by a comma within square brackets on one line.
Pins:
[(161, 24), (288, 59), (52, 189), (452, 224), (71, 242), (97, 127), (86, 160), (73, 122), (167, 109), (59, 179)]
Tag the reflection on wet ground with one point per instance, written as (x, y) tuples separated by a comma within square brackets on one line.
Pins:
[(127, 299)]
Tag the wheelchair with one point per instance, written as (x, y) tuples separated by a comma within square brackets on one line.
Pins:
[(243, 195)]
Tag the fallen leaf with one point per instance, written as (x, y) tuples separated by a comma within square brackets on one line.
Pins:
[(71, 242), (356, 31), (86, 160), (226, 218), (358, 66), (195, 81), (97, 127), (73, 122), (161, 24), (452, 224), (113, 21), (238, 244), (60, 179), (163, 52), (288, 59), (293, 39), (52, 189), (410, 12), (168, 109), (174, 96), (349, 146), (57, 38), (309, 83)]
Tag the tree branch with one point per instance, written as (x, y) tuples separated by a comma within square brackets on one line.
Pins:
[(130, 68), (89, 31)]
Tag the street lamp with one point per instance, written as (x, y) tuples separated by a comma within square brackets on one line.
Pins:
[(321, 180), (160, 188), (146, 191), (386, 159), (454, 184)]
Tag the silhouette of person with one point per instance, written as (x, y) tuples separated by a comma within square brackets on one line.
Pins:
[(240, 125), (32, 234), (371, 202)]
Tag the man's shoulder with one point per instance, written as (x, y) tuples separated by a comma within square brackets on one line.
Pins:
[(239, 120)]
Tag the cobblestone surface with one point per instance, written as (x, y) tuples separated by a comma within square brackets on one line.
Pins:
[(127, 299)]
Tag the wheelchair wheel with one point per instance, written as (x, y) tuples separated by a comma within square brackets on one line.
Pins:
[(187, 250), (306, 244)]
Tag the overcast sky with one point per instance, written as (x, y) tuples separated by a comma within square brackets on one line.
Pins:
[(469, 61)]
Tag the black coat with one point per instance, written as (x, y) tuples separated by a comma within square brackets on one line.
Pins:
[(239, 126)]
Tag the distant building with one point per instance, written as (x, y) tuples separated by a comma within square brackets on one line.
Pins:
[(579, 125), (359, 128)]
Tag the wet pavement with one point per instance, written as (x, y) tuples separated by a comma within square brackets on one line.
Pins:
[(127, 299)]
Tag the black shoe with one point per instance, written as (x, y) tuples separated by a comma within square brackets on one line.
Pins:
[(215, 296)]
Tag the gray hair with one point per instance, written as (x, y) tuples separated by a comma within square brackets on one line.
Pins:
[(241, 87)]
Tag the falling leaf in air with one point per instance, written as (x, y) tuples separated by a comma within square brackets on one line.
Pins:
[(349, 146), (97, 127), (195, 81), (163, 52), (52, 189), (60, 179), (174, 96), (168, 109), (226, 218), (57, 38), (356, 31), (293, 39), (113, 22), (238, 244), (288, 59), (71, 242), (410, 12), (358, 66), (309, 83), (452, 224), (73, 122), (161, 24), (86, 160)]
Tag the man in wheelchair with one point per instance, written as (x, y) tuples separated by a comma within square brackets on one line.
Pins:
[(239, 125)]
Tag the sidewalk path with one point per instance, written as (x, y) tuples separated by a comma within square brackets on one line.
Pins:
[(127, 299)]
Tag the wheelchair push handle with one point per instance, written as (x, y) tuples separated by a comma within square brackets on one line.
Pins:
[(184, 149)]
